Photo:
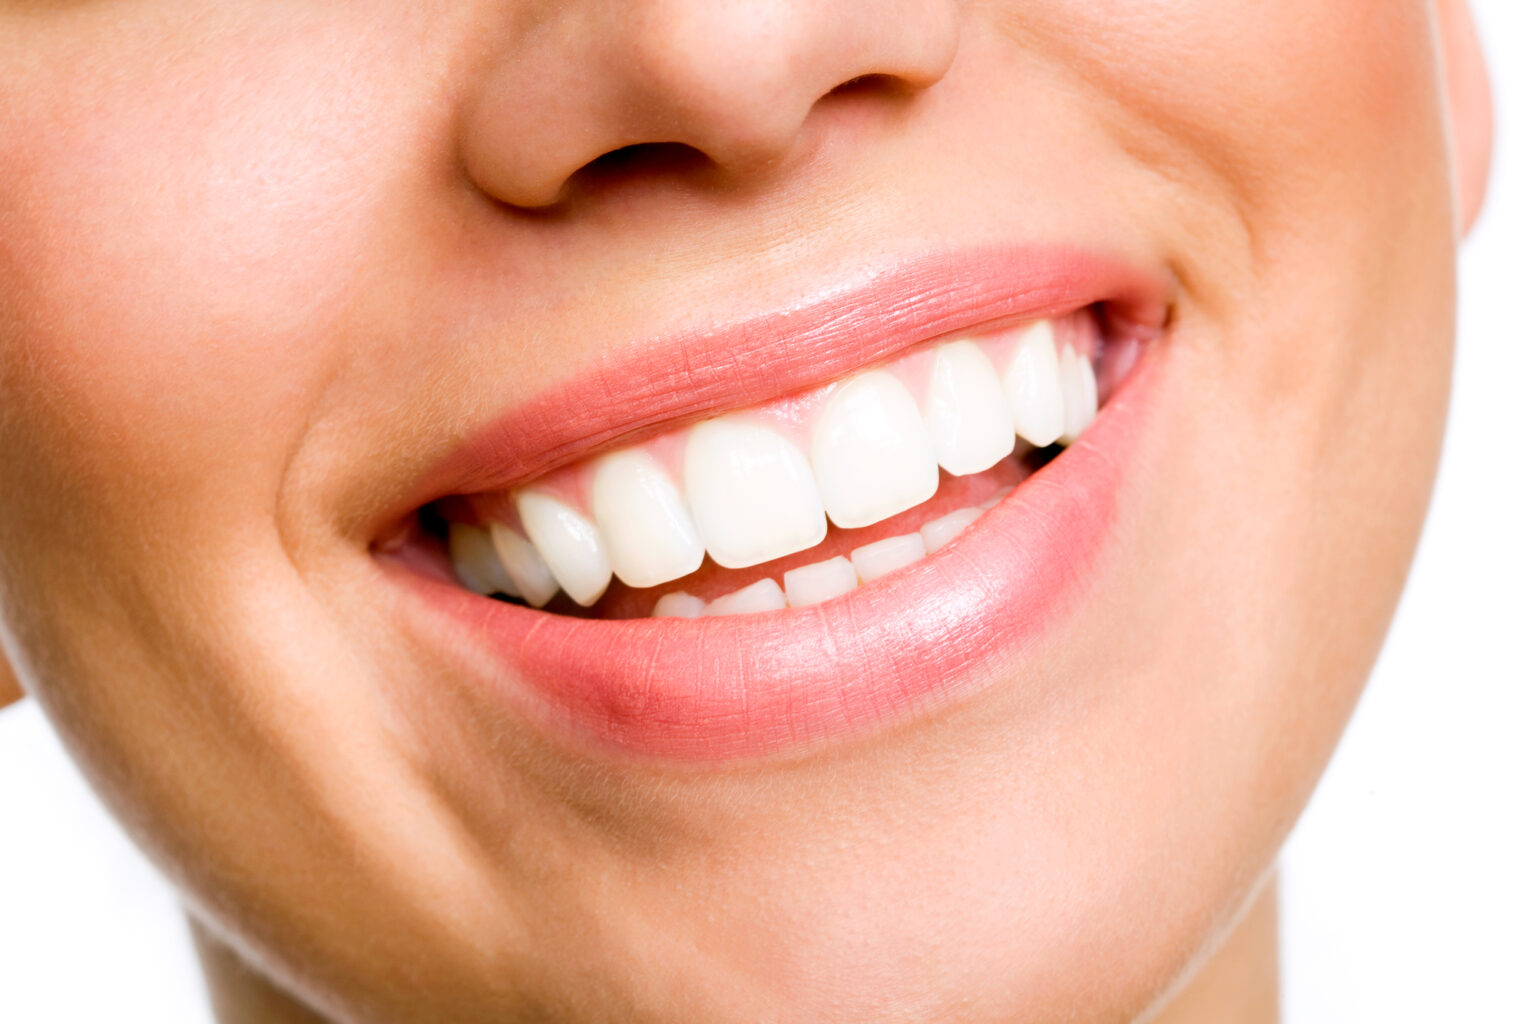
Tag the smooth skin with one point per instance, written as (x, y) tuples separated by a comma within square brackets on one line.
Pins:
[(262, 264)]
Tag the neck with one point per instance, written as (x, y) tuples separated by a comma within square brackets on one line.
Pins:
[(1238, 984)]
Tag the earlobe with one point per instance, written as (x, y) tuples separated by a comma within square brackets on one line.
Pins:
[(1469, 102)]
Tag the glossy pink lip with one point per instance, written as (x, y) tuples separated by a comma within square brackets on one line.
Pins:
[(722, 689)]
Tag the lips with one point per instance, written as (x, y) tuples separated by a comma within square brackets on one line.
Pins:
[(916, 619)]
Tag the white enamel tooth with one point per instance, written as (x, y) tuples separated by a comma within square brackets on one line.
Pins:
[(1073, 414), (938, 532), (752, 493), (569, 544), (678, 605), (870, 451), (967, 413), (813, 584), (523, 565), (886, 556), (1089, 382), (649, 534), (762, 596), (1033, 385), (475, 562), (1080, 393)]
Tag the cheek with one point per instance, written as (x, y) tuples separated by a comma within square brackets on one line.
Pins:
[(181, 238)]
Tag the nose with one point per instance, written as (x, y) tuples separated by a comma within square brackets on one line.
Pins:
[(727, 82)]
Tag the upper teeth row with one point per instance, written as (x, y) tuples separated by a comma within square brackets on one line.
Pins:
[(750, 494)]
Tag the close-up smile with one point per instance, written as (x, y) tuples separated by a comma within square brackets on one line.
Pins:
[(676, 511), (819, 562)]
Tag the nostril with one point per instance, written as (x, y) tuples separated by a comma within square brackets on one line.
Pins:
[(643, 160), (871, 85)]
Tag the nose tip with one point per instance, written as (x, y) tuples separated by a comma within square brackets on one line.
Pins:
[(733, 81)]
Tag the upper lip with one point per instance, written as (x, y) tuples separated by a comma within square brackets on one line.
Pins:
[(764, 355)]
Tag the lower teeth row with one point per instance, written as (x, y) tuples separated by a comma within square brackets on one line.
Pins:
[(822, 581)]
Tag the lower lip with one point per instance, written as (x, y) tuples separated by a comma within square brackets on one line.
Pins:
[(731, 688)]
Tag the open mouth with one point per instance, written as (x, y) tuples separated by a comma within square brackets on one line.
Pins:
[(744, 578), (797, 501)]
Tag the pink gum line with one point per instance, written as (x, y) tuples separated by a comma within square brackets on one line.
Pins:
[(791, 416)]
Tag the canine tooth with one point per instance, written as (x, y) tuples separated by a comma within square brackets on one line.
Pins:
[(822, 581), (967, 413), (678, 605), (1072, 411), (535, 583), (886, 556), (647, 529), (568, 543), (475, 562), (762, 596), (938, 532), (1080, 393), (1090, 385), (1033, 385), (753, 495), (870, 451)]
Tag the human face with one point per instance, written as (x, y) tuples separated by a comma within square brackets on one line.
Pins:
[(287, 287)]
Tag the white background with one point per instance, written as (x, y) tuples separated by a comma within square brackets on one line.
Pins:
[(1408, 887)]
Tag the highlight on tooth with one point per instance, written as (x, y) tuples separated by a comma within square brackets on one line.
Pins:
[(762, 596), (966, 411), (884, 557), (569, 544), (752, 493), (1033, 383), (819, 581), (524, 566), (678, 605), (648, 531), (870, 451), (939, 532)]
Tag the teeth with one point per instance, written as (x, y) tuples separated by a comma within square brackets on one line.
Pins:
[(569, 544), (752, 493), (649, 534), (678, 605), (1033, 386), (534, 582), (762, 596), (944, 529), (475, 562), (967, 413), (813, 584), (1079, 392), (870, 451), (886, 556)]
